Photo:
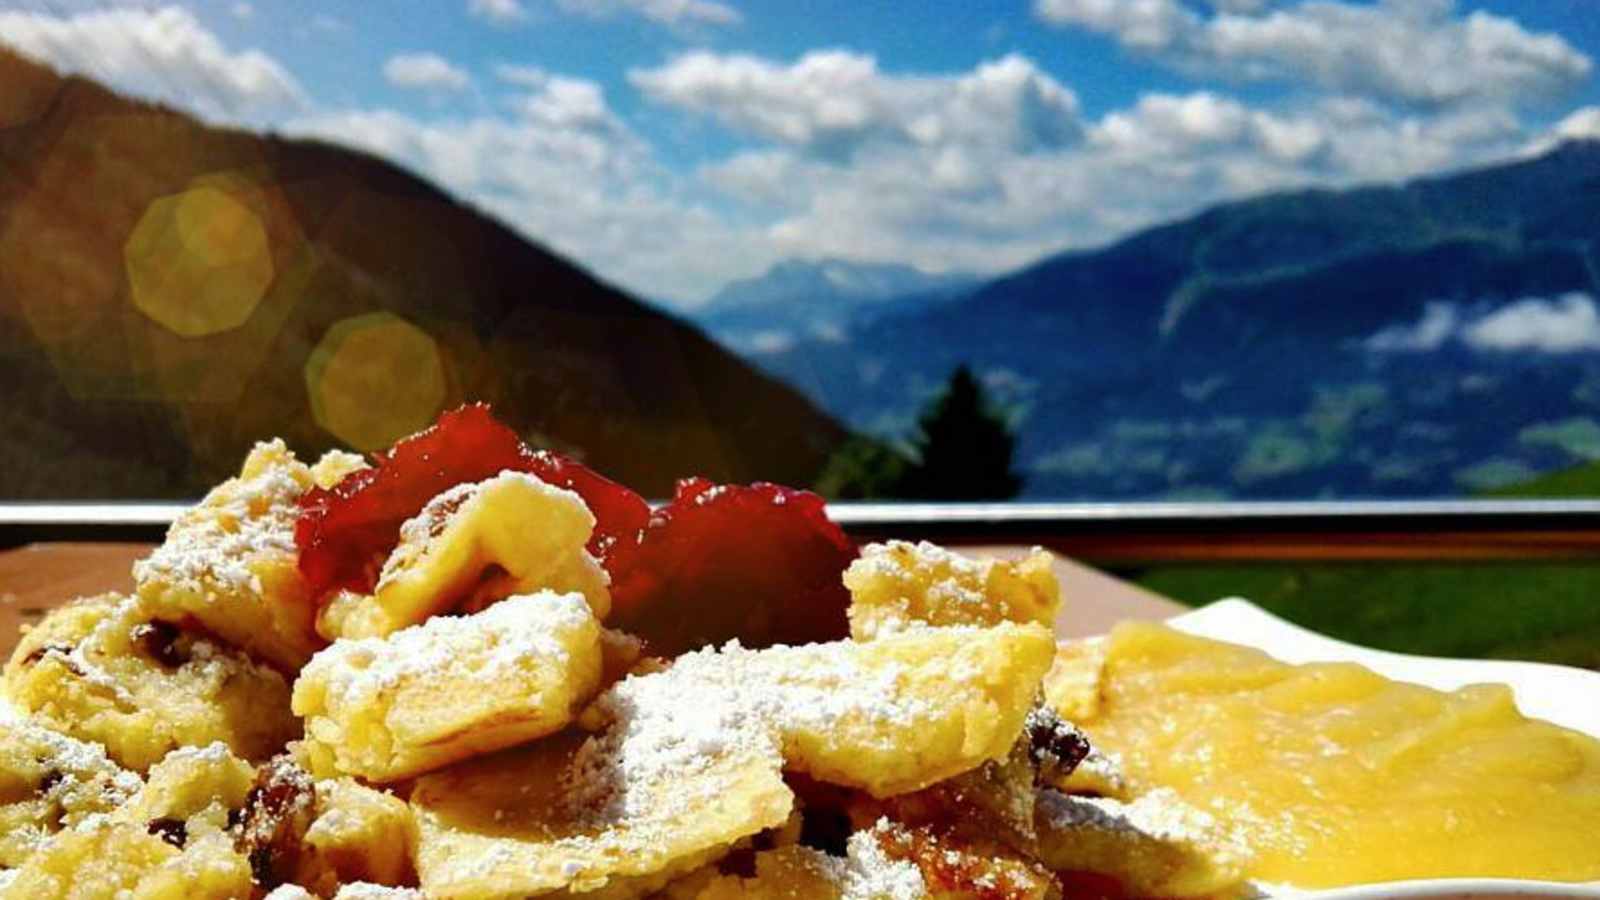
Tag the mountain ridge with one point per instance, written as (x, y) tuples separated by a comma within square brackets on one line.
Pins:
[(1273, 297), (105, 401)]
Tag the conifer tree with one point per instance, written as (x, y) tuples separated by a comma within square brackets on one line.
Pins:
[(964, 447)]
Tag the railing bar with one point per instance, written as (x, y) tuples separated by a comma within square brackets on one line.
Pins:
[(874, 513)]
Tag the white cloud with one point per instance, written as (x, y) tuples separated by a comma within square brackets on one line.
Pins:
[(996, 166), (1440, 323), (164, 54), (990, 204), (1581, 123), (1137, 24), (498, 12), (425, 71), (833, 102), (1564, 325), (531, 77), (1409, 51), (667, 12), (564, 169), (987, 168)]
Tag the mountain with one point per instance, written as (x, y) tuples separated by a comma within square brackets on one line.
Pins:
[(821, 298), (171, 292), (1427, 338)]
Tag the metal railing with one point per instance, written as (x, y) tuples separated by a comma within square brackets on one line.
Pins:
[(1100, 532)]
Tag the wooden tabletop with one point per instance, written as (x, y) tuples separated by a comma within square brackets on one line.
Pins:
[(38, 577)]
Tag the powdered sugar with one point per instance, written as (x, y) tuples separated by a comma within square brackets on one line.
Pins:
[(418, 533), (1159, 815), (882, 559), (729, 701), (78, 781), (867, 873), (213, 544), (214, 753), (1102, 771), (103, 657), (75, 758), (499, 640), (361, 890), (899, 586)]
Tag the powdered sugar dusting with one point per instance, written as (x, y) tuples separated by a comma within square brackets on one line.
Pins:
[(899, 586), (361, 890), (867, 873), (214, 753), (77, 760), (212, 544), (721, 702), (107, 641), (1102, 772), (417, 533), (511, 633), (1158, 814), (81, 782)]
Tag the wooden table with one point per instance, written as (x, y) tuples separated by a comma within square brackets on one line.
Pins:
[(38, 577)]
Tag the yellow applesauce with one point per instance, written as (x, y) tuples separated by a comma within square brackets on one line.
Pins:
[(1334, 775)]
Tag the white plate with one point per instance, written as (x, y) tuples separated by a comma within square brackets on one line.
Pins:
[(1569, 697)]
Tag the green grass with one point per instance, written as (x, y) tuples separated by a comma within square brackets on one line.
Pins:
[(1549, 612), (1579, 481)]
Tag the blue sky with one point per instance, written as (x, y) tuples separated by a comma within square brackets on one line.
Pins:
[(673, 145)]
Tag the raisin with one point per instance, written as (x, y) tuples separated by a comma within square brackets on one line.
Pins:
[(1055, 745), (345, 532), (826, 820), (159, 641), (761, 563), (173, 831), (827, 830), (277, 811), (261, 867)]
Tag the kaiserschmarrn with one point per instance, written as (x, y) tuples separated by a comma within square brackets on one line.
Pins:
[(407, 680)]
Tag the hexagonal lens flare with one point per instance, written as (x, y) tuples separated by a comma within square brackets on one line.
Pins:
[(198, 262), (375, 378)]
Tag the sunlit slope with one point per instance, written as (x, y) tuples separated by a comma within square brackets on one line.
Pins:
[(171, 291), (1579, 481)]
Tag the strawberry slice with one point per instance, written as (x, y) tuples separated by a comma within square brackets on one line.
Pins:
[(761, 563), (344, 533)]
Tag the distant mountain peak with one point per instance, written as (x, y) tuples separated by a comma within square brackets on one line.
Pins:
[(832, 283)]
